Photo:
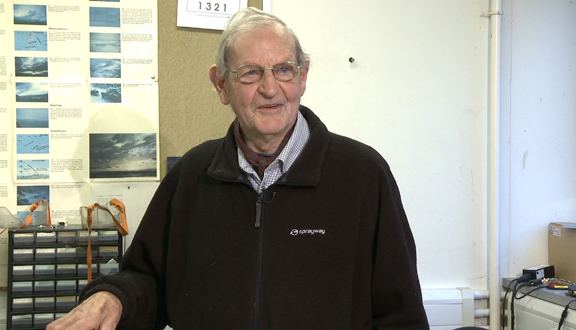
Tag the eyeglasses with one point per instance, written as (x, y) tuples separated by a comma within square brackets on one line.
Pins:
[(252, 73)]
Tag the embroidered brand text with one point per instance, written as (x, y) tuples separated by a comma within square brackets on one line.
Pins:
[(310, 232)]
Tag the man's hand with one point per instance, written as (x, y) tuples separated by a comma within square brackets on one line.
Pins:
[(101, 310)]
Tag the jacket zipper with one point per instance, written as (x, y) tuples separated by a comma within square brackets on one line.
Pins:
[(258, 225), (258, 221)]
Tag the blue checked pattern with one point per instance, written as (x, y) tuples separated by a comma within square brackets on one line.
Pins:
[(284, 160)]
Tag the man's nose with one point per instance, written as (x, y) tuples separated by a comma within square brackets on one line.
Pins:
[(268, 84)]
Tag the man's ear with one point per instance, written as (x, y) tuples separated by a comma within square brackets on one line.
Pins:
[(304, 76), (219, 84)]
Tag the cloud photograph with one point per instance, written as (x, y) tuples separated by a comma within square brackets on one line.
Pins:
[(105, 68), (104, 17), (31, 92), (31, 66), (123, 155), (31, 117), (32, 144), (26, 195), (31, 41), (104, 42), (32, 169), (30, 14), (105, 93)]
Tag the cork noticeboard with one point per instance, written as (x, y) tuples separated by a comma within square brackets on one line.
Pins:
[(190, 111)]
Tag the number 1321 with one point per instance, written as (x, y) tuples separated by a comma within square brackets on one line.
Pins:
[(211, 6)]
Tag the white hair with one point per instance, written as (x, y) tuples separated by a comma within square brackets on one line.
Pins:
[(246, 20)]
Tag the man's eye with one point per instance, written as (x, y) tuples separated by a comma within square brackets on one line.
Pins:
[(283, 69), (250, 72)]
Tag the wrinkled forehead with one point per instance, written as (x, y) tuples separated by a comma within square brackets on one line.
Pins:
[(259, 41)]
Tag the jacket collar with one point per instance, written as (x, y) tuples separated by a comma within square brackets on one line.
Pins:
[(305, 171)]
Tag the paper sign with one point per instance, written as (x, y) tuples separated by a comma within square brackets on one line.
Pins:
[(207, 14)]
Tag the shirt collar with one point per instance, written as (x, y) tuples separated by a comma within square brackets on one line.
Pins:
[(289, 153), (305, 170), (296, 143)]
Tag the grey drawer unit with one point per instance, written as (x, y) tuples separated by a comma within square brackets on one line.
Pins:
[(47, 270)]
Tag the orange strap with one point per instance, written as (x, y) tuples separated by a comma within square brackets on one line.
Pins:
[(90, 213), (121, 225), (33, 207)]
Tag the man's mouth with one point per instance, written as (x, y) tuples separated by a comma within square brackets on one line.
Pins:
[(270, 106)]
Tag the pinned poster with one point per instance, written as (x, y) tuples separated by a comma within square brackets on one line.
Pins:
[(207, 14)]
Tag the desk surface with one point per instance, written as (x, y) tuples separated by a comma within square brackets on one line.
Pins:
[(558, 297)]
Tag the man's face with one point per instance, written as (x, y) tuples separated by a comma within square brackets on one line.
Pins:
[(268, 108)]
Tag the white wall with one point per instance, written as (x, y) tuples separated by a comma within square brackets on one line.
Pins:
[(540, 117), (135, 195), (417, 93)]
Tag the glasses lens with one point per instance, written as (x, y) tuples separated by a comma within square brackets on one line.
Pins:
[(252, 73), (285, 71), (249, 73)]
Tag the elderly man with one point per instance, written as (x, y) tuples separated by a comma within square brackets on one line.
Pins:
[(278, 225)]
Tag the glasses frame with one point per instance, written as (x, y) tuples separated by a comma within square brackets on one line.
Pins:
[(263, 69)]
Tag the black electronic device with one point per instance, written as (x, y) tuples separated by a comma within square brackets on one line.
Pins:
[(539, 272)]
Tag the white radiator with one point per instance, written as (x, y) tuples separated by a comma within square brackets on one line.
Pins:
[(448, 309)]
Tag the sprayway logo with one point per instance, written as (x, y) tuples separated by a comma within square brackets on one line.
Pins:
[(310, 232)]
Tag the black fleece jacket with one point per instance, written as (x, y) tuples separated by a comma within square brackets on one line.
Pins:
[(328, 246)]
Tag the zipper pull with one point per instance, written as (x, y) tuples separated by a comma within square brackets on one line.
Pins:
[(258, 221)]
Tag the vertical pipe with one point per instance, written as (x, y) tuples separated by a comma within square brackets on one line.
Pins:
[(493, 165)]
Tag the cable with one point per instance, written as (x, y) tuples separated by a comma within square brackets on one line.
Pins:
[(503, 312), (565, 313), (539, 284), (522, 281), (515, 281), (516, 288)]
